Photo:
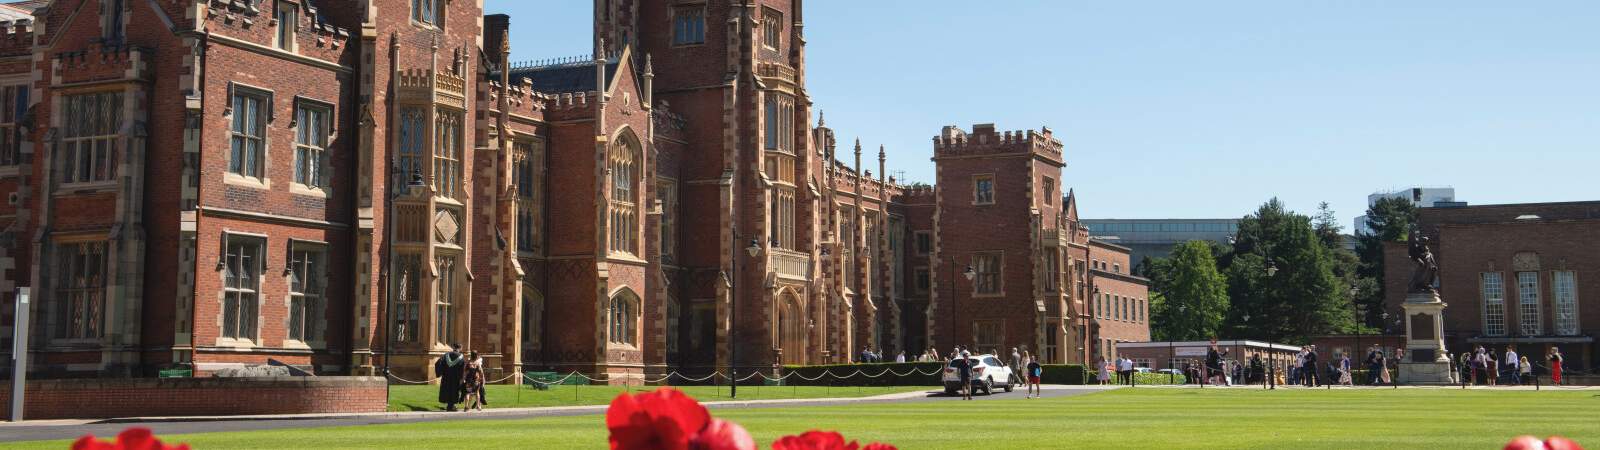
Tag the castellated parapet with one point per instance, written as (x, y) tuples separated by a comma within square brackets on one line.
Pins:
[(985, 140)]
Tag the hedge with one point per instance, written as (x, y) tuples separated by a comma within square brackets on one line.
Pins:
[(914, 374), (1074, 374)]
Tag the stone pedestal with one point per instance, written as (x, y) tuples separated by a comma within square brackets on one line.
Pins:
[(1425, 361)]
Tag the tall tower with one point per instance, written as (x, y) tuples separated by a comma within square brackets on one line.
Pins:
[(738, 66), (995, 191)]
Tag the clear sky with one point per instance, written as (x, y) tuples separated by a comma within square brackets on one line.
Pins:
[(1193, 109)]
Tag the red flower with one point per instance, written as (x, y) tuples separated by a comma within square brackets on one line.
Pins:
[(1533, 443), (669, 420), (823, 440), (129, 439), (723, 435)]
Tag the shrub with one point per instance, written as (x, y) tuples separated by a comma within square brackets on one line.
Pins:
[(1159, 378)]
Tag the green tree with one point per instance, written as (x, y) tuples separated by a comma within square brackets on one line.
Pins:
[(1390, 220), (1346, 265), (1282, 280), (1191, 295)]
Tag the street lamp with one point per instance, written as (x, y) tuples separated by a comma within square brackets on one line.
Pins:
[(969, 274), (733, 325), (413, 188), (1272, 268)]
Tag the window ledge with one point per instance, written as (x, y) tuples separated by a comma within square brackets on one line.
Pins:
[(87, 187), (301, 189), (626, 258), (993, 295), (246, 181), (235, 343)]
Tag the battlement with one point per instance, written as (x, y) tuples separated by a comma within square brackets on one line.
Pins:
[(916, 194), (984, 139), (16, 29)]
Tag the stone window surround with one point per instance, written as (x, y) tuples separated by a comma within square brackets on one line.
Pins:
[(24, 84), (672, 18), (108, 22), (771, 38), (440, 15), (999, 274), (47, 318), (326, 189), (264, 264), (321, 326), (58, 114), (976, 199), (1556, 305), (629, 329), (264, 182), (277, 37)]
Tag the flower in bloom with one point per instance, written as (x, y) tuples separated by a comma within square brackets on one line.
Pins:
[(129, 439), (1533, 443), (823, 440), (666, 419)]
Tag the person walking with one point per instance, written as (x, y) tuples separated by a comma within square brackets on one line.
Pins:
[(1555, 359), (1016, 361), (472, 383), (1035, 372), (1105, 372), (449, 369), (1125, 368), (1311, 366), (1492, 365), (1344, 371), (1383, 367), (1512, 365), (1374, 364), (963, 368), (1525, 370)]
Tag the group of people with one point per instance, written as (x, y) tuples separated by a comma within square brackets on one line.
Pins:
[(1123, 367), (869, 356), (461, 379), (1023, 366), (1484, 366)]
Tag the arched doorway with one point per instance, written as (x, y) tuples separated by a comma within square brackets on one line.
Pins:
[(792, 329)]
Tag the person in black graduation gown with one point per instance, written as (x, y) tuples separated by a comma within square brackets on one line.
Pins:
[(450, 368)]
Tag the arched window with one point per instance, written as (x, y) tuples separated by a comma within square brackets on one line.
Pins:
[(624, 321), (624, 166)]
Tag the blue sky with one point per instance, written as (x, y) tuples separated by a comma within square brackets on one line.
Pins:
[(1206, 109)]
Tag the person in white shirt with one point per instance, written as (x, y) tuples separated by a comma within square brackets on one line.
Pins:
[(1510, 366), (900, 358), (1125, 368)]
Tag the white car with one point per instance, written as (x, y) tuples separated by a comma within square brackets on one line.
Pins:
[(987, 372)]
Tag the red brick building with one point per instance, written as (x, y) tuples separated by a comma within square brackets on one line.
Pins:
[(345, 187), (1513, 275), (1119, 302)]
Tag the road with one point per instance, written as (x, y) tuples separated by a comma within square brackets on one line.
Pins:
[(72, 429)]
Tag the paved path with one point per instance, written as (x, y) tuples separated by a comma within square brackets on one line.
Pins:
[(71, 429)]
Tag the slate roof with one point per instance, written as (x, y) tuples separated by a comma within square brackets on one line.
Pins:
[(564, 77)]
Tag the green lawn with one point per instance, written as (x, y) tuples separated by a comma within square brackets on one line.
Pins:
[(1129, 418), (426, 397)]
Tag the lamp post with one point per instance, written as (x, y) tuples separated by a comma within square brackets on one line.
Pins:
[(413, 188), (1383, 321), (970, 274), (1361, 321), (733, 312)]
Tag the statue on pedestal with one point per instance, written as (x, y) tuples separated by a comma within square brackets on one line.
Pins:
[(1427, 270)]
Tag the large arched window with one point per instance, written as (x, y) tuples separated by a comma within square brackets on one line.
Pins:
[(624, 164), (624, 318)]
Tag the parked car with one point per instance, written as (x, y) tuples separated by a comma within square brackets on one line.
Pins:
[(1170, 371), (987, 372), (1142, 369)]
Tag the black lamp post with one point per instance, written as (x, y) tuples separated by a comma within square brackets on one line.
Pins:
[(413, 188), (733, 324), (970, 274)]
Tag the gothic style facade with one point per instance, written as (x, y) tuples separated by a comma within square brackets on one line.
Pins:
[(351, 187)]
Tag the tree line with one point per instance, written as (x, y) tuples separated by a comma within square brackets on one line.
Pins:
[(1283, 277)]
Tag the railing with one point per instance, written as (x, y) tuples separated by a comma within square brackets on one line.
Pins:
[(791, 264), (1054, 237)]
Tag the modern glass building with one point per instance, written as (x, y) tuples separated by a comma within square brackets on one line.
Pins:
[(1155, 238)]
